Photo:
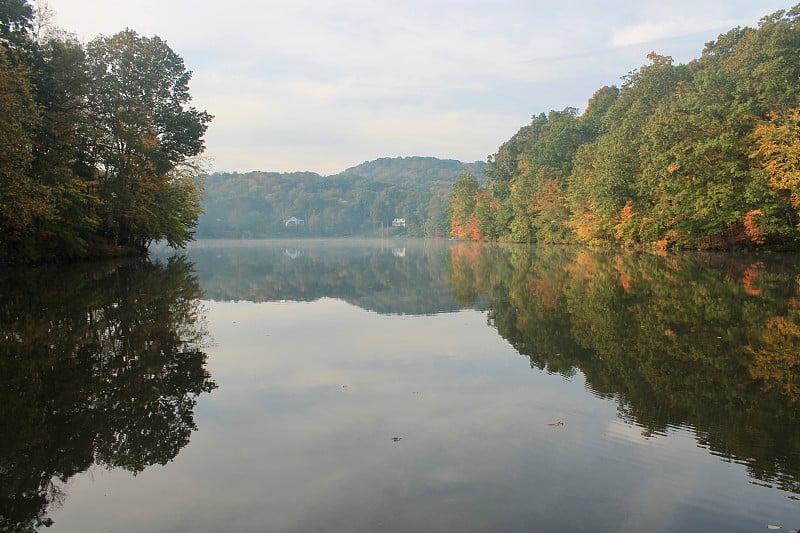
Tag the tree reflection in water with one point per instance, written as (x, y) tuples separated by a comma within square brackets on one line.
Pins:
[(707, 342), (99, 364)]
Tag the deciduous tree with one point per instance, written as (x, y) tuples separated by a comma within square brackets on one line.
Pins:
[(143, 131)]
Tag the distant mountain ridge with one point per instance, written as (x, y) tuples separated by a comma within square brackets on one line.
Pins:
[(414, 168), (361, 200)]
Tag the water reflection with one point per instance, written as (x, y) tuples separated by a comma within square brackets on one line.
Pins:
[(703, 341), (707, 341), (99, 364), (374, 275), (688, 359)]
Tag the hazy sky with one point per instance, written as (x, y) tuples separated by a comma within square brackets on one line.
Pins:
[(323, 86)]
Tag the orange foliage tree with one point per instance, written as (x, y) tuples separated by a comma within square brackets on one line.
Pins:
[(777, 149)]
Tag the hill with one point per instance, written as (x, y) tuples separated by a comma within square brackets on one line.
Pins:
[(362, 200), (414, 170)]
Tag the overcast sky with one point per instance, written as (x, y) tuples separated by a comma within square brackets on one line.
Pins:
[(323, 86)]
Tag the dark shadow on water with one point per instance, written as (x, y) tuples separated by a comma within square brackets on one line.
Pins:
[(100, 363)]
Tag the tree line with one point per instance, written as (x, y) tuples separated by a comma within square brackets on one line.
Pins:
[(700, 155), (98, 141)]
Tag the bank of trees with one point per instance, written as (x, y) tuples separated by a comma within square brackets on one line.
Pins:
[(701, 155), (97, 142)]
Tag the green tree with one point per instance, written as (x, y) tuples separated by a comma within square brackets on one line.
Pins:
[(537, 191), (22, 200), (16, 21), (59, 156), (143, 134), (462, 206), (608, 176)]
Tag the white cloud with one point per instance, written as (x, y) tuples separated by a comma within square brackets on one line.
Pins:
[(649, 32), (334, 83)]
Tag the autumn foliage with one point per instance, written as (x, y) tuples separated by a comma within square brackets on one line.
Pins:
[(699, 155)]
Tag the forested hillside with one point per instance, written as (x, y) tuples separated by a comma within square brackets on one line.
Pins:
[(697, 155), (362, 200), (97, 142)]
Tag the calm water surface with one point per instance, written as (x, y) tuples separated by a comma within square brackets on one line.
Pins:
[(401, 386)]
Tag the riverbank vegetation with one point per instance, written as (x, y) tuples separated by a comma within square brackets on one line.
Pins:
[(98, 142), (700, 155)]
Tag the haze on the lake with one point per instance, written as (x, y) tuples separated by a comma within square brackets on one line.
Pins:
[(325, 86)]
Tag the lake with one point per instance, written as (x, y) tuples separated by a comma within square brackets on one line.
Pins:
[(279, 386)]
